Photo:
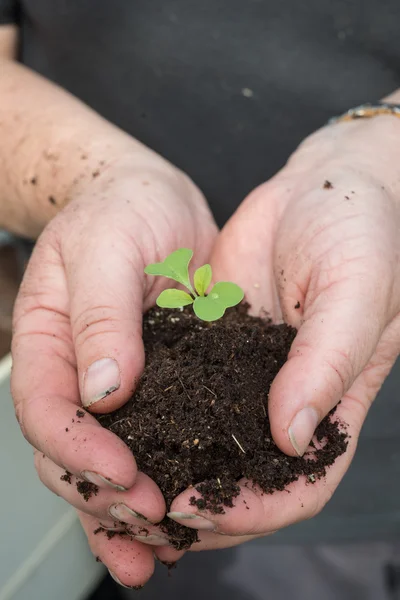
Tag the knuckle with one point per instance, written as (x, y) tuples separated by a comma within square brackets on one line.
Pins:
[(19, 414), (319, 499), (373, 377), (340, 367), (380, 364), (27, 411), (337, 366), (42, 465), (93, 322), (360, 405), (38, 459), (267, 193)]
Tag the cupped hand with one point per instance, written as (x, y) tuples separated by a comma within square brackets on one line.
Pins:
[(78, 338), (319, 247)]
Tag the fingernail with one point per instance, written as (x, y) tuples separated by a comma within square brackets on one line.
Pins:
[(193, 521), (152, 540), (302, 428), (116, 528), (129, 587), (101, 379), (123, 513), (101, 481), (166, 563)]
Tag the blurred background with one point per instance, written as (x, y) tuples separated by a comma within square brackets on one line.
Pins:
[(11, 265), (43, 551)]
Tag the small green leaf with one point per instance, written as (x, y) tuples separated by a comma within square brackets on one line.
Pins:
[(222, 296), (202, 279), (229, 294), (173, 299), (175, 266), (207, 309)]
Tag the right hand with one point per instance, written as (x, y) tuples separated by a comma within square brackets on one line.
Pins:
[(78, 338)]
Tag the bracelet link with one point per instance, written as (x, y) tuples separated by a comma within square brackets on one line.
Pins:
[(367, 111)]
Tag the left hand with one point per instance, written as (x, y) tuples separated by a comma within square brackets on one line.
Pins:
[(335, 250)]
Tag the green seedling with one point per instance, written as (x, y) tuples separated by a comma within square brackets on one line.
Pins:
[(208, 307)]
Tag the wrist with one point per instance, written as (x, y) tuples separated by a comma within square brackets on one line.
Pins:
[(368, 148), (41, 194), (132, 171), (139, 177)]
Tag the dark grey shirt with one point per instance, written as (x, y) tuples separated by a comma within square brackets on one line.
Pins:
[(226, 89)]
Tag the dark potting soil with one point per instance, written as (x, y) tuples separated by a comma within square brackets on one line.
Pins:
[(86, 489), (67, 477), (199, 415)]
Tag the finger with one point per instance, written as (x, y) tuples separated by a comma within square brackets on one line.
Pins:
[(338, 288), (130, 563), (79, 445), (44, 381), (341, 329), (141, 506), (105, 279), (246, 516)]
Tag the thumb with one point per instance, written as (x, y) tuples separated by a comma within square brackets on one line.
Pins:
[(105, 284), (339, 334)]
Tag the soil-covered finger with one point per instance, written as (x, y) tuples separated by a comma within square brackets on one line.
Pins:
[(73, 439), (131, 561), (137, 509)]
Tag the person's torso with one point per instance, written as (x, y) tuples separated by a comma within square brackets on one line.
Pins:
[(225, 89)]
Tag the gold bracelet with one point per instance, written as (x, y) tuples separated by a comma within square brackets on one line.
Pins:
[(367, 111)]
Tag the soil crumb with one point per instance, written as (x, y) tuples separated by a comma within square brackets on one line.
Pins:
[(66, 477), (87, 489)]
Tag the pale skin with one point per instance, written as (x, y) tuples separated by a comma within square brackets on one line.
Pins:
[(119, 206)]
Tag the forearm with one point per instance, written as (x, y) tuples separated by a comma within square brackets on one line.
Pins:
[(52, 145)]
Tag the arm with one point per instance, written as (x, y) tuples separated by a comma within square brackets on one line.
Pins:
[(77, 320), (52, 145), (325, 260)]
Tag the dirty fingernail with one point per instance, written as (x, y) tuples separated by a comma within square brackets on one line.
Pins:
[(101, 379), (166, 563), (302, 429), (123, 513), (152, 540), (100, 481), (113, 575), (116, 528), (193, 521)]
